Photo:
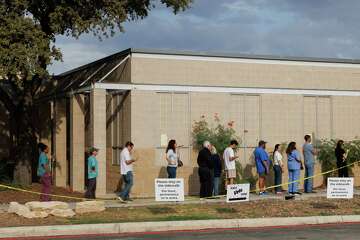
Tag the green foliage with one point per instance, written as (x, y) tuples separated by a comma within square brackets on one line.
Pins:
[(326, 155), (28, 32), (218, 135), (245, 175)]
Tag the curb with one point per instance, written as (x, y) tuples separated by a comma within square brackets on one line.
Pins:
[(137, 227)]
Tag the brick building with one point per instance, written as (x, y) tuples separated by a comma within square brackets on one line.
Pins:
[(150, 96)]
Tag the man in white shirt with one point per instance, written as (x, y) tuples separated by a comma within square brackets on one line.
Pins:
[(126, 169), (229, 159)]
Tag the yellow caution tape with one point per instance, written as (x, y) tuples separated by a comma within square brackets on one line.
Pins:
[(299, 180), (305, 178), (256, 190), (47, 194)]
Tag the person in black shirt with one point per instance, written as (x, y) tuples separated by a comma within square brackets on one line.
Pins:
[(217, 170), (341, 159), (205, 171)]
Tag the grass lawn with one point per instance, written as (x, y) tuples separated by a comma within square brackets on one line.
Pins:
[(253, 209)]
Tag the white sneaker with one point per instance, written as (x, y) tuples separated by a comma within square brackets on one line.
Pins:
[(121, 200)]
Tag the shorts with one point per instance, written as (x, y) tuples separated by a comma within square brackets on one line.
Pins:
[(231, 173), (262, 174)]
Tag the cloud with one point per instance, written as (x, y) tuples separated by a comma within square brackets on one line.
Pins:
[(76, 53), (326, 28)]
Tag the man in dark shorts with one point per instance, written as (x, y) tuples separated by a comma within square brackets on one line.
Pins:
[(262, 162)]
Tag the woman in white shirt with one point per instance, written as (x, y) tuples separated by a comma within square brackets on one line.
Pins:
[(172, 159), (278, 168)]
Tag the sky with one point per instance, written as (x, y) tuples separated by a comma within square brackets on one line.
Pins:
[(301, 28)]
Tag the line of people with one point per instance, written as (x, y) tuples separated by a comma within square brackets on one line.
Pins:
[(210, 167)]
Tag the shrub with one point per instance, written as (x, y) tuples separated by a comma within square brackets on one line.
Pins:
[(218, 135), (327, 157)]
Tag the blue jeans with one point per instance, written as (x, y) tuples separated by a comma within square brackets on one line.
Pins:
[(309, 172), (216, 186), (294, 175), (278, 177), (129, 181), (171, 172)]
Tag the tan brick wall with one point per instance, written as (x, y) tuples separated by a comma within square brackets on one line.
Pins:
[(206, 73), (60, 142), (77, 143), (282, 118), (346, 115), (98, 135)]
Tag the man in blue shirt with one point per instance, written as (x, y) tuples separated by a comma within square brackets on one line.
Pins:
[(262, 162), (308, 152), (92, 173)]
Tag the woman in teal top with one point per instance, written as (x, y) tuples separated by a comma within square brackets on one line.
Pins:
[(92, 173), (43, 172), (294, 166)]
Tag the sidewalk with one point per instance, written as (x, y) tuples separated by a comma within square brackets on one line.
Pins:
[(138, 227), (144, 202)]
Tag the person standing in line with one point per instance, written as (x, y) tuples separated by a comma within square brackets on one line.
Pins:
[(308, 152), (126, 170), (172, 159), (217, 170), (44, 173), (229, 159), (205, 170), (294, 166), (341, 156), (278, 168), (263, 163), (93, 171)]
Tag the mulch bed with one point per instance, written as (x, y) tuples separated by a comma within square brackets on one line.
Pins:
[(318, 206), (7, 196)]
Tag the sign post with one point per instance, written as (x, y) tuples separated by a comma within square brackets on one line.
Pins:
[(340, 187), (238, 193), (169, 189)]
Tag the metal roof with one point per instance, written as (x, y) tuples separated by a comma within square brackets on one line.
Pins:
[(83, 76), (211, 54), (243, 56)]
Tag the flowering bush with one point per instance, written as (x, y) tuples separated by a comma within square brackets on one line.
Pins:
[(327, 157), (218, 134)]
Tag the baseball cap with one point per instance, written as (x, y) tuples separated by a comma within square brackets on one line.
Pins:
[(93, 149), (261, 142)]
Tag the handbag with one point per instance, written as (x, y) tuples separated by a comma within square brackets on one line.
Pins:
[(180, 163)]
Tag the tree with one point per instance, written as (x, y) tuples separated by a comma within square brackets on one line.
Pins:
[(28, 30)]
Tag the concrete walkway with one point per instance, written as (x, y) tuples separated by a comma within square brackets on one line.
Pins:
[(138, 227), (197, 200), (143, 202)]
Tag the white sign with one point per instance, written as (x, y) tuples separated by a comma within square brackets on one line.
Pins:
[(169, 189), (340, 187), (163, 140), (238, 193)]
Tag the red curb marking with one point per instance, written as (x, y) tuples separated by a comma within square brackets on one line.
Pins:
[(173, 232)]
